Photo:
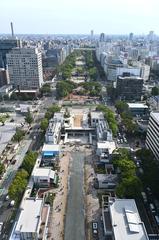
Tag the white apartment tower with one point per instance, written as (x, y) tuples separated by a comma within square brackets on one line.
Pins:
[(152, 139), (25, 68)]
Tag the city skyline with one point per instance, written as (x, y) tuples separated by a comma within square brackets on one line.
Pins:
[(74, 17)]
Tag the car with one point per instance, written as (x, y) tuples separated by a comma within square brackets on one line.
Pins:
[(1, 226), (95, 228), (118, 140), (121, 140), (12, 203), (152, 208), (138, 164), (125, 140), (157, 219), (7, 197), (144, 197)]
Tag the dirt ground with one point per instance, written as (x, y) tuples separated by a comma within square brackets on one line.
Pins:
[(78, 120)]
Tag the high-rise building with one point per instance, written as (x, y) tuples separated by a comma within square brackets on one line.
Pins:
[(131, 36), (92, 34), (102, 37), (153, 134), (25, 68), (129, 87), (151, 36)]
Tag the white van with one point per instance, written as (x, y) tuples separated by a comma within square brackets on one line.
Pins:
[(157, 219), (144, 197), (152, 207), (1, 226)]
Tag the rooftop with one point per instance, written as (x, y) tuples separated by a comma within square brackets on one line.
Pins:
[(43, 172), (110, 145), (126, 222), (29, 220), (97, 115), (130, 77), (50, 147), (137, 105)]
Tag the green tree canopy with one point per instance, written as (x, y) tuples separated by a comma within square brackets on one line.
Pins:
[(155, 91), (29, 161), (18, 185), (19, 135), (29, 118), (2, 168), (44, 124), (129, 187)]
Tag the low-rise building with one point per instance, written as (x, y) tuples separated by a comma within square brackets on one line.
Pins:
[(138, 109), (44, 177), (121, 219), (53, 132), (103, 131), (105, 150), (32, 220), (50, 151), (106, 181)]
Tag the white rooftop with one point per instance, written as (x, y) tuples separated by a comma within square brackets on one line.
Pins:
[(137, 105), (29, 217), (155, 115), (58, 115), (50, 147), (110, 145), (43, 172), (126, 222), (97, 115)]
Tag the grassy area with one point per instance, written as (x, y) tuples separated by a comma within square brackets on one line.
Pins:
[(50, 198), (100, 169)]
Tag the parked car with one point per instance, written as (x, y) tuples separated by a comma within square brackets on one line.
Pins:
[(152, 208), (144, 197), (1, 226), (12, 203), (157, 219)]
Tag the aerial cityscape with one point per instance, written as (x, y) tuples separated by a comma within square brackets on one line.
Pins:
[(79, 122)]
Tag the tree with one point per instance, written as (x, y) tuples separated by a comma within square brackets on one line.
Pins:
[(29, 161), (155, 91), (29, 118), (18, 185), (130, 187), (2, 168), (51, 110), (19, 135), (44, 124), (46, 88), (63, 88), (127, 167), (121, 106)]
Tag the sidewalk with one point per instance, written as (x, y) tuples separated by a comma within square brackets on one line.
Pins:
[(60, 201)]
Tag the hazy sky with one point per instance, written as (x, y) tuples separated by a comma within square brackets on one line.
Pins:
[(80, 16)]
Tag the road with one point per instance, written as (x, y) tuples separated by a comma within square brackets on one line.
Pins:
[(75, 215)]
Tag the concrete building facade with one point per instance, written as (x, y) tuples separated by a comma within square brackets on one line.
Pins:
[(129, 88), (25, 68)]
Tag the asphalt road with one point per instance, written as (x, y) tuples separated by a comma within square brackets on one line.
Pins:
[(75, 217)]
